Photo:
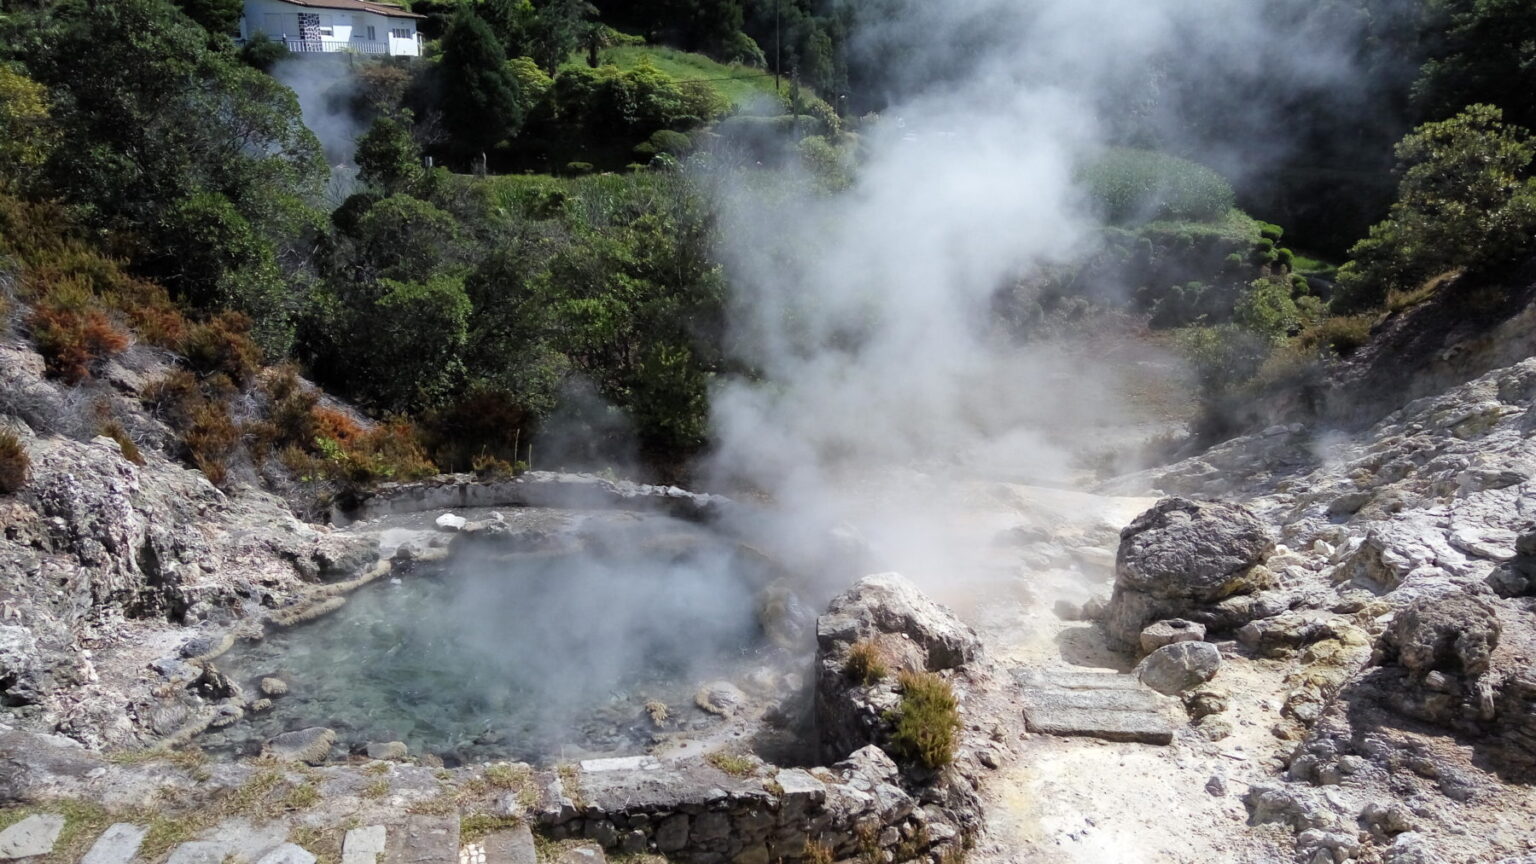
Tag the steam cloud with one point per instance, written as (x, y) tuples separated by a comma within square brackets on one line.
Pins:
[(868, 314), (324, 86)]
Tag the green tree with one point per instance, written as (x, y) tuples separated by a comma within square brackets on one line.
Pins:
[(404, 340), (406, 239), (557, 30), (480, 105), (512, 21), (219, 17), (387, 156), (1466, 200), (1489, 56), (159, 121), (27, 131)]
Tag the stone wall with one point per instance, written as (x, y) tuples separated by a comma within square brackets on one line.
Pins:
[(694, 813)]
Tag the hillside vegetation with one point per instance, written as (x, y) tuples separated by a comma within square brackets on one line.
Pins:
[(556, 275)]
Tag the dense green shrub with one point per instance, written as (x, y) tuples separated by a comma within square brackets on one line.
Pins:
[(387, 156), (1127, 186), (1467, 200), (1267, 309), (927, 722)]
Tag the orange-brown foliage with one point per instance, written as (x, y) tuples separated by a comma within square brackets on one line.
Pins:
[(73, 332), (222, 345)]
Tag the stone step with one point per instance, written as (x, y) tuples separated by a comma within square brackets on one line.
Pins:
[(512, 846), (1093, 704), (1093, 700), (424, 839), (1064, 680), (117, 845), (1139, 727)]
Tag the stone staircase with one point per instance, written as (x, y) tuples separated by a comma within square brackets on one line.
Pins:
[(419, 839)]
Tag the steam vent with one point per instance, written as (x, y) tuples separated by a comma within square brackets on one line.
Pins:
[(767, 432)]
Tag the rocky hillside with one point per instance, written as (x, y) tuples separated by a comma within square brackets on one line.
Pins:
[(115, 561), (1400, 604)]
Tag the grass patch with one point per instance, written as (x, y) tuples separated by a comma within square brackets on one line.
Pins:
[(376, 768), (476, 826), (570, 783), (819, 853), (926, 721), (865, 664), (376, 788), (504, 775), (742, 86), (324, 844), (302, 797), (733, 764)]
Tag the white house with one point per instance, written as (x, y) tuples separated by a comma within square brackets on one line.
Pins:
[(334, 26)]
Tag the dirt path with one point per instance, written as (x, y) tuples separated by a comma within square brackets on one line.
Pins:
[(1081, 800)]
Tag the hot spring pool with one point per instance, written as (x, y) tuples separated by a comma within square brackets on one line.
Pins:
[(539, 656)]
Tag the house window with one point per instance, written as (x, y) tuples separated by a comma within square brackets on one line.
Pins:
[(400, 33), (327, 25), (372, 34)]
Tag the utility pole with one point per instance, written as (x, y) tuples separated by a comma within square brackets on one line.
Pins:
[(777, 43)]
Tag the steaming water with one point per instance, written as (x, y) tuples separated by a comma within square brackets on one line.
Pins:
[(534, 656)]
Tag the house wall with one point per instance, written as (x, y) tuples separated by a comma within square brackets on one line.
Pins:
[(340, 30)]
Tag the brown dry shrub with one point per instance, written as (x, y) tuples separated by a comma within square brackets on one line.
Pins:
[(222, 346), (73, 332), (211, 439), (389, 451), (14, 462), (114, 430), (336, 426), (173, 398)]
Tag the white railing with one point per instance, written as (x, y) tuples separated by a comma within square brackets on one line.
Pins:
[(336, 46)]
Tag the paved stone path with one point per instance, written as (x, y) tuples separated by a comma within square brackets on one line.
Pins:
[(1093, 704), (418, 840)]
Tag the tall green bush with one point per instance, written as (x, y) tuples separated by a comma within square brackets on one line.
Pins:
[(1129, 186), (1467, 199)]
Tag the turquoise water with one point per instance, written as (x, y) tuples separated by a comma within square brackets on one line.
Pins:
[(538, 657)]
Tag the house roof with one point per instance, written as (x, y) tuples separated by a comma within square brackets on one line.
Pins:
[(358, 6)]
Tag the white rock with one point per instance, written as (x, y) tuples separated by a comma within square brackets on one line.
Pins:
[(363, 845), (287, 853), (450, 522), (117, 845), (34, 835)]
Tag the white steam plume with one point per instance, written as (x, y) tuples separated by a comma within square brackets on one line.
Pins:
[(868, 314)]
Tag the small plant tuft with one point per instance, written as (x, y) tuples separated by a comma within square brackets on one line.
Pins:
[(926, 721), (865, 664), (733, 764), (14, 462), (114, 430)]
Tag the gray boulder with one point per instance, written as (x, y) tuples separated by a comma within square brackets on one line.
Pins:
[(310, 745), (909, 631), (1179, 559), (890, 603), (1169, 632), (1181, 666), (1453, 633)]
